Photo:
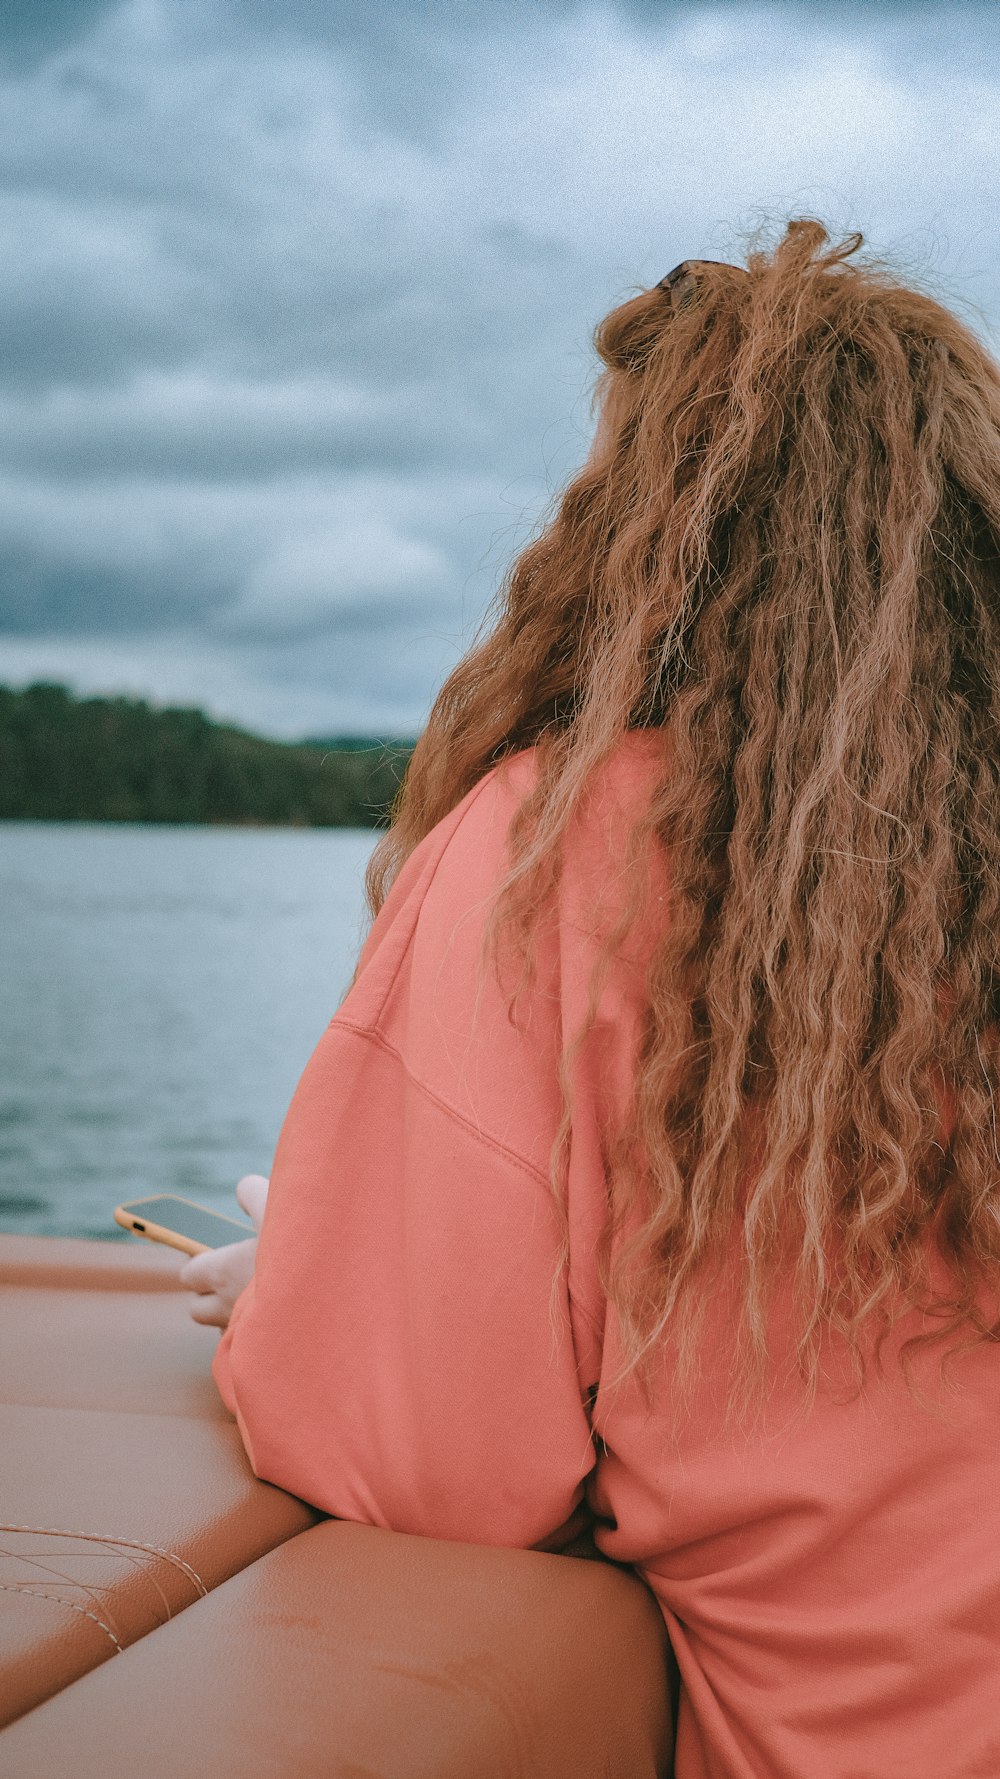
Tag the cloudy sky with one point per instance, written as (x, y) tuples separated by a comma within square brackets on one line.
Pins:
[(298, 296)]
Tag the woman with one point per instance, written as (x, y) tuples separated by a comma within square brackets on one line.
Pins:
[(648, 1170)]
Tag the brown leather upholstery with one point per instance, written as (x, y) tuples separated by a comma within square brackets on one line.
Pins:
[(353, 1653), (131, 1265), (121, 1340), (279, 1646), (124, 1487)]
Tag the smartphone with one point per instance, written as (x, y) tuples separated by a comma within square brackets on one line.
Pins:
[(181, 1223)]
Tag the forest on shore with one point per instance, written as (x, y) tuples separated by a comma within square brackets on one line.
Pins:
[(64, 758)]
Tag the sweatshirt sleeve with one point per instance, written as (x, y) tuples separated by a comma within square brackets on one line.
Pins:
[(400, 1358)]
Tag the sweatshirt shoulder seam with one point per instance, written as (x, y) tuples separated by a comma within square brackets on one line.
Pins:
[(374, 1036)]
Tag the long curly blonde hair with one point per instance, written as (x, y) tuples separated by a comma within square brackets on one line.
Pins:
[(784, 552)]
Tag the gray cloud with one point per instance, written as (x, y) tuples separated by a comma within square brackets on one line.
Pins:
[(298, 298), (30, 33)]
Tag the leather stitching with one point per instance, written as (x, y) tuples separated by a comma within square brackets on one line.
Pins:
[(73, 1605), (154, 1550)]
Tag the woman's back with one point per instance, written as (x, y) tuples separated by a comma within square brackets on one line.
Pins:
[(831, 1578)]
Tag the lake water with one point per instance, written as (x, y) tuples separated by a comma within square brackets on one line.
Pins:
[(162, 989)]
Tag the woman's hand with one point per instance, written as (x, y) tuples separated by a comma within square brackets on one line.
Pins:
[(219, 1274)]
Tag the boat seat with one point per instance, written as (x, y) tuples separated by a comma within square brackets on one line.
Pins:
[(165, 1613), (125, 1492), (354, 1653)]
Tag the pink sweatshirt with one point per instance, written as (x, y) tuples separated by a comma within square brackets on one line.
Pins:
[(831, 1585)]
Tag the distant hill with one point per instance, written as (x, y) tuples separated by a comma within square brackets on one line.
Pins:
[(356, 744), (118, 759)]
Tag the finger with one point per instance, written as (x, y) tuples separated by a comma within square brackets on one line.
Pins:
[(251, 1194), (210, 1311), (207, 1271), (198, 1273)]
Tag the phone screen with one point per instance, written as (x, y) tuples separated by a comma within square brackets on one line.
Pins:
[(209, 1227)]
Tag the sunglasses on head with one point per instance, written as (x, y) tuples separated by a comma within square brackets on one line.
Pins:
[(681, 285)]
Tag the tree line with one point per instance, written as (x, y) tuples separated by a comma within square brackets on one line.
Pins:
[(64, 758)]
